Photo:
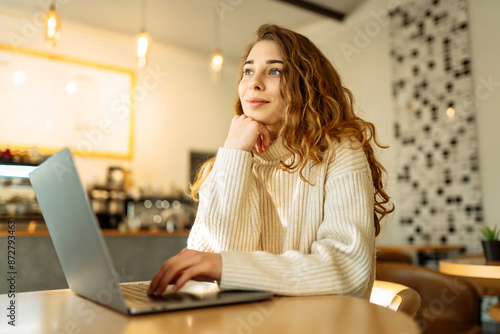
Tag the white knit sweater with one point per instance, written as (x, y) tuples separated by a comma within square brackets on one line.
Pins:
[(277, 233)]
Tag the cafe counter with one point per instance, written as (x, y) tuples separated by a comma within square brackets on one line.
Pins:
[(136, 256)]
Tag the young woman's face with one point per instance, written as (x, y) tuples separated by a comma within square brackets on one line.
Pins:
[(259, 89)]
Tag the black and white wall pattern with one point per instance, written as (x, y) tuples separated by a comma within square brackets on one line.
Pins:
[(438, 185)]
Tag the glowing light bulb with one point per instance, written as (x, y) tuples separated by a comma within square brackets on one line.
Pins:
[(217, 60), (52, 23), (143, 47), (52, 26), (450, 112)]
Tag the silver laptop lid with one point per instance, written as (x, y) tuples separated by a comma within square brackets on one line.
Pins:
[(75, 232)]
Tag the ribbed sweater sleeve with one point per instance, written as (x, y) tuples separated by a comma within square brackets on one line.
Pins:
[(227, 214), (324, 231)]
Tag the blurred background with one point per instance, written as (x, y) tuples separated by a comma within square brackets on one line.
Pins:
[(176, 109)]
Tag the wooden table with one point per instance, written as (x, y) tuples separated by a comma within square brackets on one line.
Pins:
[(470, 267), (486, 273), (423, 250), (61, 311), (476, 268)]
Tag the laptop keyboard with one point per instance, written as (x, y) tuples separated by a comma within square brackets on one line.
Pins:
[(139, 294)]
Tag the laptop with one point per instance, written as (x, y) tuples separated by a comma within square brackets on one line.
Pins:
[(84, 256)]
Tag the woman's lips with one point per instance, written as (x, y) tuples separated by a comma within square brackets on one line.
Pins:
[(256, 102)]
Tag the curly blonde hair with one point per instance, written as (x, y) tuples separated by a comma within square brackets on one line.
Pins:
[(319, 111)]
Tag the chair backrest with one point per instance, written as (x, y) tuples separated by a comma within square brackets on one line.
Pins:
[(444, 298), (396, 297), (386, 255)]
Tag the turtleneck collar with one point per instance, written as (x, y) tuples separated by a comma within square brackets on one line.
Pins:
[(276, 151)]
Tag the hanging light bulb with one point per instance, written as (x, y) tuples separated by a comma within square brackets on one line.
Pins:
[(217, 60), (52, 26), (143, 47), (143, 41)]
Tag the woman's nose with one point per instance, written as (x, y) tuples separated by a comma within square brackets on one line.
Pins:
[(256, 82)]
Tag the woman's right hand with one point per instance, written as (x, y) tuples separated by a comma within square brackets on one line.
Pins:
[(245, 133)]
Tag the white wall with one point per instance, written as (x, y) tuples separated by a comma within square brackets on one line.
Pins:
[(485, 37), (359, 48), (184, 110)]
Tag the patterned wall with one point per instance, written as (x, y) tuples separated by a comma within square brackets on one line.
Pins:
[(438, 172)]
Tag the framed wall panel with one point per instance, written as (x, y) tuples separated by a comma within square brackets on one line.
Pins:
[(51, 101)]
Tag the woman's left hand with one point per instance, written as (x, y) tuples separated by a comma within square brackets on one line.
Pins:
[(188, 264)]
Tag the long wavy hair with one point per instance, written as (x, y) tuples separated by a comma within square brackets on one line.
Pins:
[(319, 111)]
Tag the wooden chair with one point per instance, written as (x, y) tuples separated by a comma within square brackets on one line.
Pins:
[(393, 256), (396, 297), (449, 304)]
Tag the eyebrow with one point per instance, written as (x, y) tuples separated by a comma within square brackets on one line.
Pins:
[(270, 61)]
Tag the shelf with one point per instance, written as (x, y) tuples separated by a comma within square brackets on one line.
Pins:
[(11, 163)]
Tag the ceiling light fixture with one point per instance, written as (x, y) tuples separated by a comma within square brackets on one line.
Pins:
[(217, 58), (143, 40), (52, 25)]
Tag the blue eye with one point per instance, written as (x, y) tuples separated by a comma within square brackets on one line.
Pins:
[(275, 72), (247, 72)]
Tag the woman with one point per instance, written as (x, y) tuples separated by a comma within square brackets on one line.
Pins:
[(293, 201)]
